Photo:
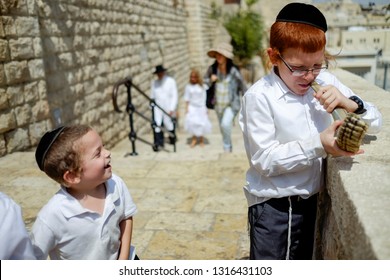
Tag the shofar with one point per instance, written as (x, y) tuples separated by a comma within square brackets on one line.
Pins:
[(351, 133)]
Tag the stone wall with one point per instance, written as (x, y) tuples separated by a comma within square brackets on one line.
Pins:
[(60, 59), (354, 221)]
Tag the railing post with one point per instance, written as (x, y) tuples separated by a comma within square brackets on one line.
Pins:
[(130, 110), (153, 125), (174, 120)]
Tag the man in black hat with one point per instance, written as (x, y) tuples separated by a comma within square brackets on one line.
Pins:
[(164, 92), (288, 132)]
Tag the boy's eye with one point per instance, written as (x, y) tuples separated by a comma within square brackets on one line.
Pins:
[(298, 68), (98, 153)]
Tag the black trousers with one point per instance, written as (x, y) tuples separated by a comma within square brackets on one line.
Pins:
[(159, 138), (282, 230)]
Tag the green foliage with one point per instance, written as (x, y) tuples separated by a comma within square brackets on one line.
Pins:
[(246, 31), (215, 11), (249, 3)]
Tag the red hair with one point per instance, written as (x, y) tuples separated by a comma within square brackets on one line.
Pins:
[(303, 37), (300, 36)]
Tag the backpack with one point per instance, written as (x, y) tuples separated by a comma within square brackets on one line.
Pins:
[(210, 92)]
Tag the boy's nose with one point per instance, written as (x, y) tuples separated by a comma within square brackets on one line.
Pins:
[(309, 76)]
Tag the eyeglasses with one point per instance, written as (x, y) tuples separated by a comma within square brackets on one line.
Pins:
[(304, 72)]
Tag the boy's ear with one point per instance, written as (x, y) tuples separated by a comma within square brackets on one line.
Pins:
[(273, 55), (71, 178)]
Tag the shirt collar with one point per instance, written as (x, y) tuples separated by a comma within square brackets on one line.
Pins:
[(71, 207), (283, 92)]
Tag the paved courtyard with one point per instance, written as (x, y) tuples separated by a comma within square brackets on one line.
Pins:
[(191, 203)]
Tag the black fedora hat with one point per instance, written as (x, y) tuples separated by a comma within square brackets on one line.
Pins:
[(45, 144), (159, 69)]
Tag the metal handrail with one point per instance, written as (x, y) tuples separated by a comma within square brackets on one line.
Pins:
[(130, 109)]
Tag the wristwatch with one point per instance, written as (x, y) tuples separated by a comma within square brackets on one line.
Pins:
[(359, 102)]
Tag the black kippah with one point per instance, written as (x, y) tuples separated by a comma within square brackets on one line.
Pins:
[(45, 144), (303, 13)]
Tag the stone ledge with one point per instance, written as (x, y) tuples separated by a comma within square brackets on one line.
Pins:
[(353, 216)]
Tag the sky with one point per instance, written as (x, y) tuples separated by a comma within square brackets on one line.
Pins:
[(364, 2)]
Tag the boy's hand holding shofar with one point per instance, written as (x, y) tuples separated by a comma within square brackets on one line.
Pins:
[(350, 134)]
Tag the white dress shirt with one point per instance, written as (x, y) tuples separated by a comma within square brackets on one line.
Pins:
[(164, 92), (15, 243), (282, 141), (66, 230)]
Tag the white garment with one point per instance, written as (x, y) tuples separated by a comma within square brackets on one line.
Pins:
[(196, 120), (164, 92), (282, 141), (66, 230), (15, 243)]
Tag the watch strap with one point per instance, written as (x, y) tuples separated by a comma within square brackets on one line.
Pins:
[(359, 102)]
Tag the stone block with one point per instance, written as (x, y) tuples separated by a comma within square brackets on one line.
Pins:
[(15, 95), (4, 56), (23, 114), (27, 27), (3, 99), (2, 33), (8, 6), (7, 121), (30, 92), (42, 89), (16, 72), (17, 140), (3, 149), (21, 48), (37, 129), (9, 27), (36, 69), (41, 111), (37, 45), (3, 80)]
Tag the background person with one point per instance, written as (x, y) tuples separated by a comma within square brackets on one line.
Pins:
[(15, 243), (164, 92), (229, 87)]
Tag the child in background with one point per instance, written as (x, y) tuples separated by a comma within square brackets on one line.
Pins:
[(196, 121), (15, 243), (288, 132), (90, 217)]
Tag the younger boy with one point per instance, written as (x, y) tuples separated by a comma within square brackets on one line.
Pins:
[(90, 217)]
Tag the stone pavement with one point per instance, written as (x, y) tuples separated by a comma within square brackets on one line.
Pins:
[(191, 203)]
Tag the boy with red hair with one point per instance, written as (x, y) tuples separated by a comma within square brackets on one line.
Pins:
[(288, 132)]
